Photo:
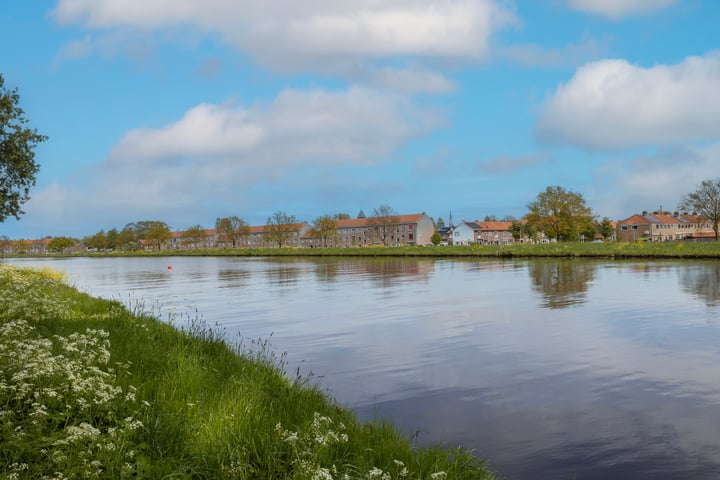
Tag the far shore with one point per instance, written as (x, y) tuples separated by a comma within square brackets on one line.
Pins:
[(604, 250)]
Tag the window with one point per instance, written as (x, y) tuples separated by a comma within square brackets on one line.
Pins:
[(623, 227), (410, 236), (410, 227), (634, 227)]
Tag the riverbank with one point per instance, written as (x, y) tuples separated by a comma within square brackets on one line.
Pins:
[(90, 389), (619, 250)]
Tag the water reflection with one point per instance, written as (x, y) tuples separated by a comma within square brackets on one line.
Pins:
[(624, 385), (702, 281), (562, 283)]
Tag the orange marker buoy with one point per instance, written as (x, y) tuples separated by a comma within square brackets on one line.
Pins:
[(169, 267)]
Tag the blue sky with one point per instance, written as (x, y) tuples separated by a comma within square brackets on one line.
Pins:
[(189, 110)]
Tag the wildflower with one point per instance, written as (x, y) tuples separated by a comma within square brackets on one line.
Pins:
[(438, 475)]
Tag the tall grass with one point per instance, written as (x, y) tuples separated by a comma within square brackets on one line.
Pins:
[(89, 389)]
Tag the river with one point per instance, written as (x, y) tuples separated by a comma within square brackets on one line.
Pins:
[(549, 369)]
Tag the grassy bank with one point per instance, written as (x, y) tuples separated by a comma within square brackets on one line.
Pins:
[(90, 390), (569, 249)]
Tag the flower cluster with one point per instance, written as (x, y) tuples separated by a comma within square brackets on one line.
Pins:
[(59, 398)]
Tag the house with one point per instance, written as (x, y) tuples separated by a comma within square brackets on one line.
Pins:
[(483, 233), (398, 230), (661, 226)]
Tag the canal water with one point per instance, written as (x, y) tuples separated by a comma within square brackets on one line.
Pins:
[(549, 369)]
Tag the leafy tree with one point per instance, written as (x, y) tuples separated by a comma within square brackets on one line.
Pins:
[(59, 244), (17, 156), (436, 238), (341, 216), (606, 228), (440, 223), (231, 229), (112, 238), (490, 218), (127, 239), (280, 228), (705, 201), (561, 214), (157, 233), (193, 236), (97, 241), (383, 222), (324, 228)]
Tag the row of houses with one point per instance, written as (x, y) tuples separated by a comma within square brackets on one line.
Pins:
[(412, 230), (396, 231), (663, 226)]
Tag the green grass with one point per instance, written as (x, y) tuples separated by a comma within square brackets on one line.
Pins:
[(569, 249), (89, 389)]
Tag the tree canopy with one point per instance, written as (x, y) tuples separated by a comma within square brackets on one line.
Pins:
[(231, 229), (17, 154), (705, 201), (280, 228), (383, 221), (325, 227), (561, 214)]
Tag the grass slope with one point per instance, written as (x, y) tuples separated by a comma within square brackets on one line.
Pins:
[(90, 390)]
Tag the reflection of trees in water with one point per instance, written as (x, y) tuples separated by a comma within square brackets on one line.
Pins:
[(233, 278), (386, 272), (283, 275), (702, 281), (562, 283)]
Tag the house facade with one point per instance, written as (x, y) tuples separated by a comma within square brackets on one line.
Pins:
[(661, 227), (396, 231), (483, 233)]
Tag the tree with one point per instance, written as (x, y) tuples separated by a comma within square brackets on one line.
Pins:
[(17, 154), (606, 228), (383, 221), (59, 244), (127, 239), (280, 228), (112, 238), (341, 216), (436, 238), (561, 214), (705, 201), (157, 233), (440, 223), (193, 236), (97, 241), (490, 218), (231, 229), (324, 228)]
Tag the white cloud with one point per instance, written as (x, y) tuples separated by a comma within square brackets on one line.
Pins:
[(631, 185), (315, 35), (611, 104), (616, 9), (216, 156), (357, 125)]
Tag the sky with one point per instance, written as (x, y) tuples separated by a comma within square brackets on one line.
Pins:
[(188, 110)]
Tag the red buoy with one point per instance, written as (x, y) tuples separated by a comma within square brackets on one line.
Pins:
[(169, 267)]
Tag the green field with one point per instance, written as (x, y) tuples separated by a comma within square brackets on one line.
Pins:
[(89, 389)]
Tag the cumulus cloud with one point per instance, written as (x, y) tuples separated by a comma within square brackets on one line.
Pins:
[(612, 104), (314, 35), (299, 127), (217, 155), (648, 182), (571, 55), (616, 9)]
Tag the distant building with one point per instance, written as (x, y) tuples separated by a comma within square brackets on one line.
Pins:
[(662, 226)]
